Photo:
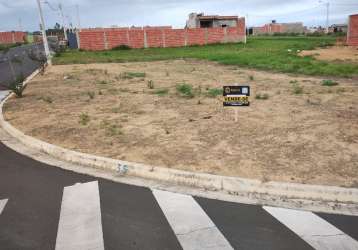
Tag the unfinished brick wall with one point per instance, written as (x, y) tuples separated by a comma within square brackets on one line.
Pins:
[(151, 37), (12, 37), (352, 34)]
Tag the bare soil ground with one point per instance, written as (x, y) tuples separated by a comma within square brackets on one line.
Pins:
[(302, 132), (335, 53)]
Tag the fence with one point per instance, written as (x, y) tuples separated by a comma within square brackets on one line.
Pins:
[(11, 37), (104, 39), (352, 34)]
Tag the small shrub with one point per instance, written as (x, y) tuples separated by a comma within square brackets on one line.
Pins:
[(100, 92), (185, 90), (293, 81), (113, 130), (17, 86), (297, 89), (122, 47), (150, 84), (262, 96), (166, 73), (84, 119), (91, 94), (161, 92), (329, 83), (251, 78), (214, 92)]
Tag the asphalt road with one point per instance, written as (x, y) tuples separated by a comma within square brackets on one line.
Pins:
[(133, 217), (17, 62)]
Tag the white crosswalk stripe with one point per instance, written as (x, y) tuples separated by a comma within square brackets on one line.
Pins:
[(80, 225), (192, 226), (317, 232), (2, 205)]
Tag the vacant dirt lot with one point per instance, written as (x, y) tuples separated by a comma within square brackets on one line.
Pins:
[(296, 130), (335, 53)]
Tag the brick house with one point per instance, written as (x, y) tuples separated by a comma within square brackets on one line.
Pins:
[(352, 34), (213, 21)]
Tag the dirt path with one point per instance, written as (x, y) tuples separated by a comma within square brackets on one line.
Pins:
[(304, 132), (335, 53)]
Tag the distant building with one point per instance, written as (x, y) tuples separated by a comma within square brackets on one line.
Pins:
[(338, 28), (273, 27), (212, 21)]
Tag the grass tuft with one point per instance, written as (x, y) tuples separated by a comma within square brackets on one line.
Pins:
[(84, 119), (185, 90), (214, 92), (161, 92), (329, 83)]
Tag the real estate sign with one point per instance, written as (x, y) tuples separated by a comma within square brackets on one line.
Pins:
[(236, 96)]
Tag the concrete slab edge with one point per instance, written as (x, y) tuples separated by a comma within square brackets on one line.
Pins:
[(234, 186)]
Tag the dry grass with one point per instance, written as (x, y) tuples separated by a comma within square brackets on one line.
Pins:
[(310, 137)]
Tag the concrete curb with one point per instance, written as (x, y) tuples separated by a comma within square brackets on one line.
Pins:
[(231, 185)]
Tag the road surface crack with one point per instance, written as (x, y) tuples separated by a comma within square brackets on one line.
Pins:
[(196, 230)]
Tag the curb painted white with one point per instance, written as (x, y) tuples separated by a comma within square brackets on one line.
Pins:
[(232, 185)]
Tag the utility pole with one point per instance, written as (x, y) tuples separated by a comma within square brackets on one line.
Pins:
[(20, 24), (44, 37), (63, 21), (78, 17), (327, 14), (327, 20)]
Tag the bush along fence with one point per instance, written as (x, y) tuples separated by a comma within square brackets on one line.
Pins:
[(11, 37), (352, 34), (151, 37)]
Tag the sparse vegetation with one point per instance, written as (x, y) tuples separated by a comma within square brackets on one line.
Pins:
[(131, 75), (17, 86), (297, 89), (214, 92), (113, 130), (103, 82), (185, 90), (122, 47), (293, 81), (329, 83), (161, 92), (116, 110), (91, 94), (84, 119), (46, 99), (264, 53), (260, 96)]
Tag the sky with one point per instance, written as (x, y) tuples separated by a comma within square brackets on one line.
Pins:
[(23, 14)]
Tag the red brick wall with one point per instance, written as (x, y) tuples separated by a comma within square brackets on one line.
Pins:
[(117, 36), (155, 38), (174, 38), (149, 37), (12, 37), (272, 28), (352, 36)]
